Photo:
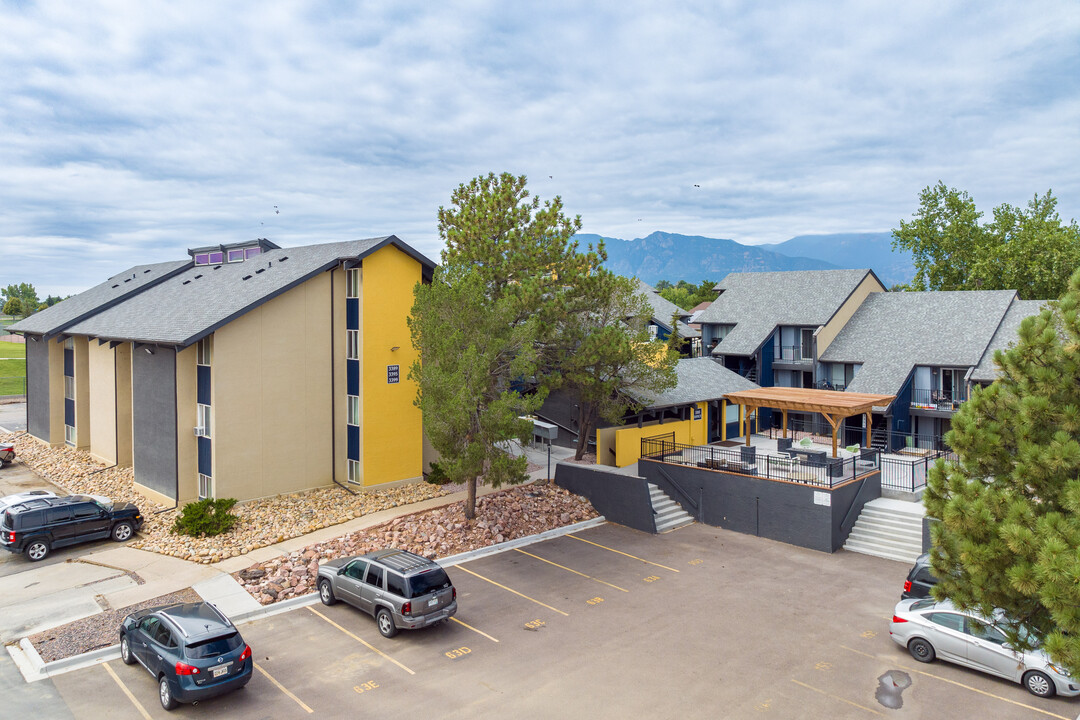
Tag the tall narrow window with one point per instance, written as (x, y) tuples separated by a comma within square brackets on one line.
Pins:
[(202, 352), (203, 413), (352, 344), (69, 344), (354, 471), (354, 410), (69, 387), (206, 486), (352, 283), (69, 435)]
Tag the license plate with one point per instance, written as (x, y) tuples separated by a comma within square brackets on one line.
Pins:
[(218, 672), (433, 602)]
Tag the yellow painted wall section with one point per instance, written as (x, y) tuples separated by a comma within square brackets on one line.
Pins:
[(102, 390), (627, 440), (391, 426), (271, 420), (82, 393), (56, 392), (187, 417), (123, 405), (837, 322)]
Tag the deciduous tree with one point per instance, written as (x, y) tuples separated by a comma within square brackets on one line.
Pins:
[(1009, 510), (25, 294), (1029, 249)]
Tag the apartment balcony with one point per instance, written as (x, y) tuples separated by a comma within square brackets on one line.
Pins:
[(791, 356), (936, 402)]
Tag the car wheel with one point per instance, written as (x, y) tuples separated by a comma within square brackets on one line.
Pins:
[(37, 550), (122, 532), (921, 650), (326, 593), (385, 621), (1039, 684), (165, 694), (125, 650)]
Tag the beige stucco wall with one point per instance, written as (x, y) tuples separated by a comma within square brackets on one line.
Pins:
[(102, 410), (271, 371), (122, 356), (56, 392), (187, 449), (831, 329)]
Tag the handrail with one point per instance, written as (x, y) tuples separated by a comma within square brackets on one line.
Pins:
[(678, 489)]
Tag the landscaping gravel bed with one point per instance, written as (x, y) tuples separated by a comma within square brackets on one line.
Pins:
[(97, 631), (262, 522), (501, 516)]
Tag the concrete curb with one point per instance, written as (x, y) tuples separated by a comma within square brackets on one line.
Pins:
[(33, 669)]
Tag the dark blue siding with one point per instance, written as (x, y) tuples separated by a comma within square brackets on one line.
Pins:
[(204, 456), (352, 314), (203, 391), (766, 380), (352, 376), (354, 442), (901, 408)]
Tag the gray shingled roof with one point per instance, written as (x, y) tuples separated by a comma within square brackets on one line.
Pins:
[(66, 312), (1005, 336), (699, 380), (755, 303), (663, 309), (190, 305), (893, 332)]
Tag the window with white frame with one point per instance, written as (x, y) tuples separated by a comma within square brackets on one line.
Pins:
[(206, 486), (69, 344), (202, 352), (69, 435), (352, 283), (69, 387), (203, 414), (354, 471), (352, 344), (354, 410)]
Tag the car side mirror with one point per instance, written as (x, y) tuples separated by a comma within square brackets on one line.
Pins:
[(341, 571)]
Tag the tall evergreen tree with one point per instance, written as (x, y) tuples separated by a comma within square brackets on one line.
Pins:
[(469, 348), (1009, 510)]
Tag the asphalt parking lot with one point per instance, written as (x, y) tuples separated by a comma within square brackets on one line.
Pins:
[(608, 622)]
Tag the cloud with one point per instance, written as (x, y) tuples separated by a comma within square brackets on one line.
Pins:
[(130, 133)]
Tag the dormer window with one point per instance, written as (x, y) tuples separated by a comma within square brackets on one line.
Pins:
[(236, 256), (251, 252), (209, 258)]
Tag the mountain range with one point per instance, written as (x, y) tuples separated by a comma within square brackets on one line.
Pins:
[(673, 257)]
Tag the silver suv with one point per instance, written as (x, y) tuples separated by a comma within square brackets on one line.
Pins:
[(400, 589)]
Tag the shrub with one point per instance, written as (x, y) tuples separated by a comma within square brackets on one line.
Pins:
[(206, 518), (437, 476)]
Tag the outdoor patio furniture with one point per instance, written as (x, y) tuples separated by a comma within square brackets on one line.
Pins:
[(748, 454), (783, 444), (806, 442)]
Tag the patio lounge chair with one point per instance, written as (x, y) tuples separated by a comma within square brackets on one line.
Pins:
[(806, 442)]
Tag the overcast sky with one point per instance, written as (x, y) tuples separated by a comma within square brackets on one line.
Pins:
[(131, 131)]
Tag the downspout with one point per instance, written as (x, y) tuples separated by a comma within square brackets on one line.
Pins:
[(333, 394)]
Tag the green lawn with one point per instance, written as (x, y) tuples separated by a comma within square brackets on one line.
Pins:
[(12, 368)]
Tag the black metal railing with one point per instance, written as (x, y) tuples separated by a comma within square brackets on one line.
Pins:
[(791, 354), (811, 469), (938, 399)]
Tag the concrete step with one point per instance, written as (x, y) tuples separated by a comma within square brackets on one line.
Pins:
[(905, 548), (880, 551), (669, 515), (873, 532), (900, 529)]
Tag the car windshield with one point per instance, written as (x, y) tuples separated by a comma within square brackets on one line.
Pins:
[(427, 581), (214, 646)]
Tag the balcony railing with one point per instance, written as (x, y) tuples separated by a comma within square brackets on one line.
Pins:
[(791, 354), (938, 399)]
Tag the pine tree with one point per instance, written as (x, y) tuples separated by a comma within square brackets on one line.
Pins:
[(1009, 510)]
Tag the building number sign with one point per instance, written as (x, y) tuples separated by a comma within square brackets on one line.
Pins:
[(393, 374), (697, 413)]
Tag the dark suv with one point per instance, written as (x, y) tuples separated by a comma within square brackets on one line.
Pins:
[(404, 591), (192, 650), (920, 579), (37, 526)]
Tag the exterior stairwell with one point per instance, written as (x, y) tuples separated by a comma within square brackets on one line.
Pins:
[(669, 515), (889, 529), (879, 439)]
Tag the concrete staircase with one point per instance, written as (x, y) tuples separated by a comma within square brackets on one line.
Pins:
[(888, 528), (669, 514)]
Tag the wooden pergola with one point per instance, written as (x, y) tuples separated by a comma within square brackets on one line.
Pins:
[(833, 404)]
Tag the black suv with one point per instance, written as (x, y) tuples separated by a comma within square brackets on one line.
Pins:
[(39, 525), (192, 650), (920, 579)]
